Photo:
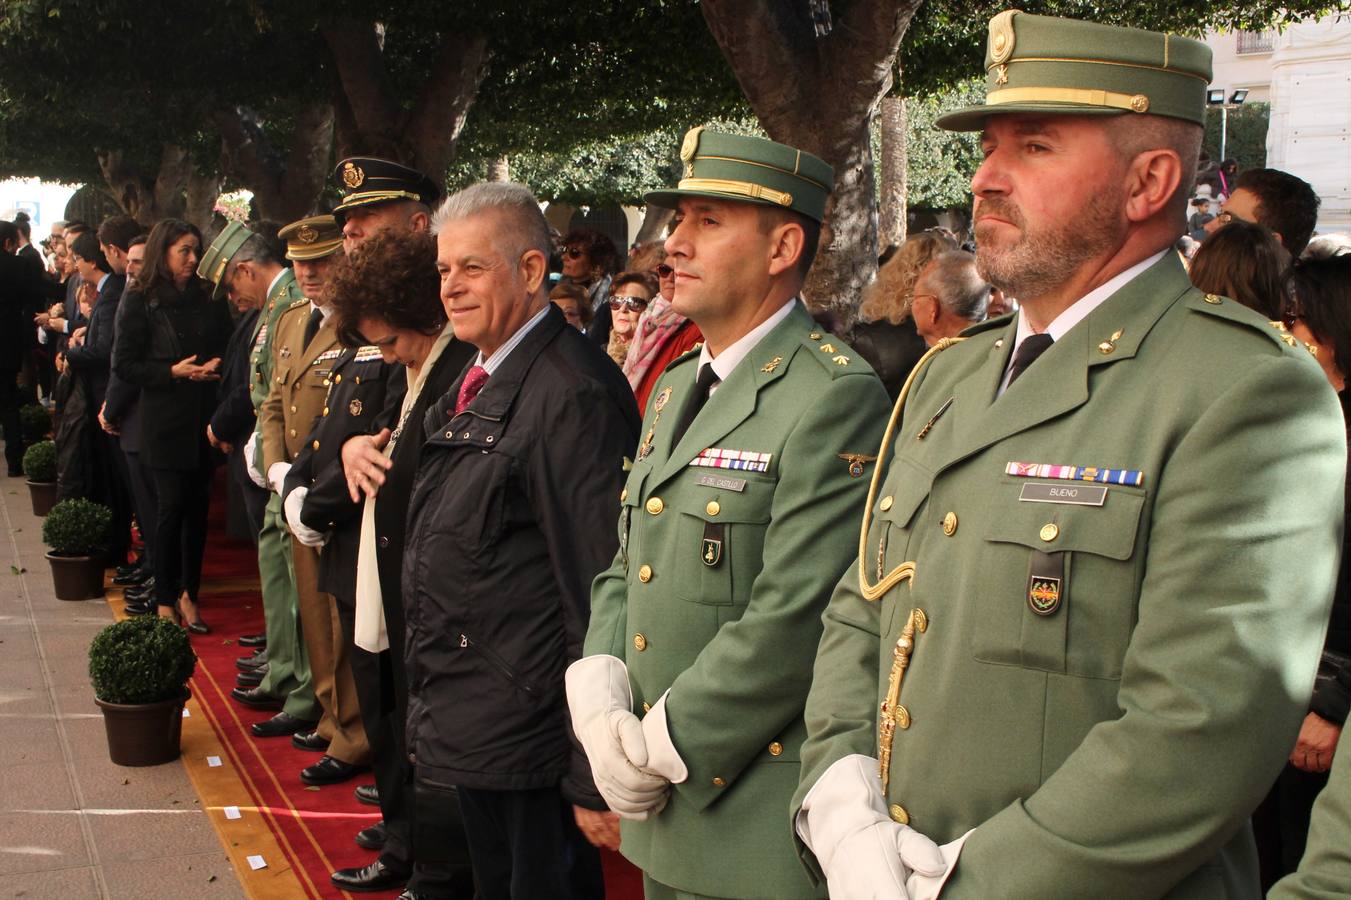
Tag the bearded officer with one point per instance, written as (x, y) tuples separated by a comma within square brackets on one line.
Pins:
[(1095, 572), (735, 519), (244, 262)]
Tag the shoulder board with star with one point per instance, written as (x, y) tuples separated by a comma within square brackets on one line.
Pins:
[(1233, 311), (295, 303)]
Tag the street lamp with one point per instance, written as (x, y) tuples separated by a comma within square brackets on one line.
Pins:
[(1215, 97)]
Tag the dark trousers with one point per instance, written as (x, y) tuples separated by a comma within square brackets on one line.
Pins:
[(114, 482), (180, 531), (9, 417), (143, 502), (525, 845), (253, 497), (384, 723)]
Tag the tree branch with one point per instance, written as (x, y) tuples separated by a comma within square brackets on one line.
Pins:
[(863, 46), (365, 83), (436, 120), (769, 46)]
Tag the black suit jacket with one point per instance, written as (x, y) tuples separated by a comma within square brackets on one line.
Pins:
[(155, 332), (234, 418), (18, 286), (93, 358)]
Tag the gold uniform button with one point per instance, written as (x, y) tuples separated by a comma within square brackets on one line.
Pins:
[(1050, 531), (713, 508), (293, 409), (623, 495), (293, 432), (358, 379), (644, 573), (886, 503), (647, 707), (315, 445), (776, 749), (655, 506), (898, 814), (718, 782), (337, 379), (639, 642), (325, 411), (950, 524)]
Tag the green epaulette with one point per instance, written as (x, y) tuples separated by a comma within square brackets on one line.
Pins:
[(1233, 311), (834, 355)]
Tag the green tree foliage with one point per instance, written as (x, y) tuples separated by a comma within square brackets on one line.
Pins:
[(1246, 135)]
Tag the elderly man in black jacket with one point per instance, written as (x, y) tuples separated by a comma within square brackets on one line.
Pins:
[(512, 515)]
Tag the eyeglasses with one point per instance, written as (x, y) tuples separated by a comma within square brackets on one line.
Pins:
[(632, 304), (574, 253), (665, 271)]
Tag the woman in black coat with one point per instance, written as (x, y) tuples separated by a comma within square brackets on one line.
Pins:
[(170, 338)]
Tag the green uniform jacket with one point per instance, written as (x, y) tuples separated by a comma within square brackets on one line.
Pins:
[(283, 294), (733, 640), (1325, 871), (1116, 747)]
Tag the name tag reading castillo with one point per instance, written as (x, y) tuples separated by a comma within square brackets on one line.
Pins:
[(722, 482), (1077, 494)]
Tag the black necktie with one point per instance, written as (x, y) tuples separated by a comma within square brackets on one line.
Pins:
[(702, 383), (1033, 345), (312, 327)]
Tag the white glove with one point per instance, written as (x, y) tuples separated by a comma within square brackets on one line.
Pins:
[(276, 476), (865, 855), (302, 532), (600, 702), (662, 757), (251, 461)]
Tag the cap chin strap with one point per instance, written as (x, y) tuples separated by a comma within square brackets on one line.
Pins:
[(1138, 103), (874, 592)]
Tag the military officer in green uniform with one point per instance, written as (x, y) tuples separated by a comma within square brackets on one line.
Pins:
[(1325, 871), (736, 513), (1097, 557)]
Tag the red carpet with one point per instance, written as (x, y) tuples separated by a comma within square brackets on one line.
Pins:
[(313, 826)]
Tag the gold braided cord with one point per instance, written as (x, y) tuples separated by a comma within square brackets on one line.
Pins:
[(739, 188), (366, 196), (1102, 62), (873, 592), (1067, 95)]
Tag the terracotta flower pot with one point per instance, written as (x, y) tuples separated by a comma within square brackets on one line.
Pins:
[(43, 495), (77, 577), (143, 734)]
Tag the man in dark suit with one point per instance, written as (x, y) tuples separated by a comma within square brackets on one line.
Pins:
[(16, 289), (234, 418)]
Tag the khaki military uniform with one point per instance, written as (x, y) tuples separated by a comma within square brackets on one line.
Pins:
[(730, 542), (1124, 565), (300, 382)]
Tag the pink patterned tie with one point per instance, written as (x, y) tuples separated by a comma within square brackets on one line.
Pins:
[(469, 388)]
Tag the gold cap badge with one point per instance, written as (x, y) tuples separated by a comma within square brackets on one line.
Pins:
[(306, 235), (352, 175)]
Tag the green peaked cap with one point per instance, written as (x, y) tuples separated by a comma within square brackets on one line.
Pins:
[(749, 170), (219, 254), (1040, 64)]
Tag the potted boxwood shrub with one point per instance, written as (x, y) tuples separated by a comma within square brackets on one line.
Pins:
[(140, 669), (77, 530), (39, 466), (36, 422)]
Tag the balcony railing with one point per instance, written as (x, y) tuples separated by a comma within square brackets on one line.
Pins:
[(1256, 42)]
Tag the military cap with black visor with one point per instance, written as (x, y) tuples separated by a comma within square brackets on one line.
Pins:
[(368, 180), (313, 237)]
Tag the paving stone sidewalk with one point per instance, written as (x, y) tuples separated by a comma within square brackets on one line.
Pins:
[(72, 824)]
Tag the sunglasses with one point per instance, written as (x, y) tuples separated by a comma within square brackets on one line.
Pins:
[(574, 253), (665, 271), (632, 304)]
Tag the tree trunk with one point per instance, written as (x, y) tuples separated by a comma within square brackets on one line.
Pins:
[(147, 199), (655, 221), (499, 169), (892, 221), (285, 187), (200, 201), (819, 94), (373, 119)]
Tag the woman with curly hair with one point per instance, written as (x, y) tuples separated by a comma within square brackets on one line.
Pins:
[(589, 258), (885, 334)]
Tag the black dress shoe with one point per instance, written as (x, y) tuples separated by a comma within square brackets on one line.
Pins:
[(372, 838), (309, 740), (331, 771), (147, 608), (280, 725), (249, 663), (375, 877), (255, 698), (250, 679), (134, 576), (253, 640), (141, 591), (368, 794)]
